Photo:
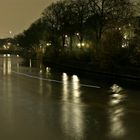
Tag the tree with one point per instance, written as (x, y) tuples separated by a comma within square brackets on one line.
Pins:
[(55, 17), (81, 14), (108, 14)]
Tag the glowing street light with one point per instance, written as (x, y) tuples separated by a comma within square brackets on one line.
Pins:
[(10, 32), (77, 34), (81, 45)]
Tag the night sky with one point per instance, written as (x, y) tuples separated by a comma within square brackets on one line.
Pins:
[(17, 15)]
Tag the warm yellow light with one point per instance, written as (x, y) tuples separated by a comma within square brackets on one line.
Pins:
[(83, 44), (9, 43), (79, 45), (48, 44), (125, 36), (64, 76), (10, 32), (75, 78), (4, 46), (77, 34)]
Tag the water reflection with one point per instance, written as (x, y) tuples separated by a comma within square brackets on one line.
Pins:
[(116, 112), (75, 88), (41, 69), (8, 103), (7, 90), (40, 87), (73, 120), (9, 62), (65, 86), (6, 66), (48, 72), (73, 94), (48, 69), (30, 63), (115, 88), (72, 114), (18, 66)]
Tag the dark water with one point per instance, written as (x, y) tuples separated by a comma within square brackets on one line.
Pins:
[(36, 103)]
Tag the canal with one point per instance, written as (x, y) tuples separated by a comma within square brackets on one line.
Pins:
[(38, 103)]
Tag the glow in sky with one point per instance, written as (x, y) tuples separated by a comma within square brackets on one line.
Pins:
[(17, 15)]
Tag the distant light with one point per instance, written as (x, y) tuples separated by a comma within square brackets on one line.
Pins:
[(17, 55), (10, 32), (48, 69), (123, 45), (41, 71), (77, 34), (66, 36), (8, 55), (125, 36), (79, 45), (83, 44), (4, 46), (9, 43), (48, 44)]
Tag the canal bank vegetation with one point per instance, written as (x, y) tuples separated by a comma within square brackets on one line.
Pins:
[(94, 35)]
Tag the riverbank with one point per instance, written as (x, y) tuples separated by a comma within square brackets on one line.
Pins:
[(123, 75)]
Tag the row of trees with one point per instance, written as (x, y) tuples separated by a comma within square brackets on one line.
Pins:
[(98, 27)]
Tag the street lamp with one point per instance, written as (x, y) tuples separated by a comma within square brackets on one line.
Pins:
[(11, 34)]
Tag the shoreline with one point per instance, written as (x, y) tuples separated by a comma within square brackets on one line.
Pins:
[(88, 71)]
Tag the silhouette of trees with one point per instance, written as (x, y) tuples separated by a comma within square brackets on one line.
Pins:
[(69, 24)]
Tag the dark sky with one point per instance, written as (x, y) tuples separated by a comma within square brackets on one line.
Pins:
[(17, 15)]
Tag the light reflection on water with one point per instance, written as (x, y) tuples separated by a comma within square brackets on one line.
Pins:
[(48, 72), (6, 66), (71, 88), (30, 63), (41, 69), (18, 66), (7, 87), (40, 87), (116, 112), (65, 87), (61, 106), (75, 88), (9, 61), (72, 117)]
